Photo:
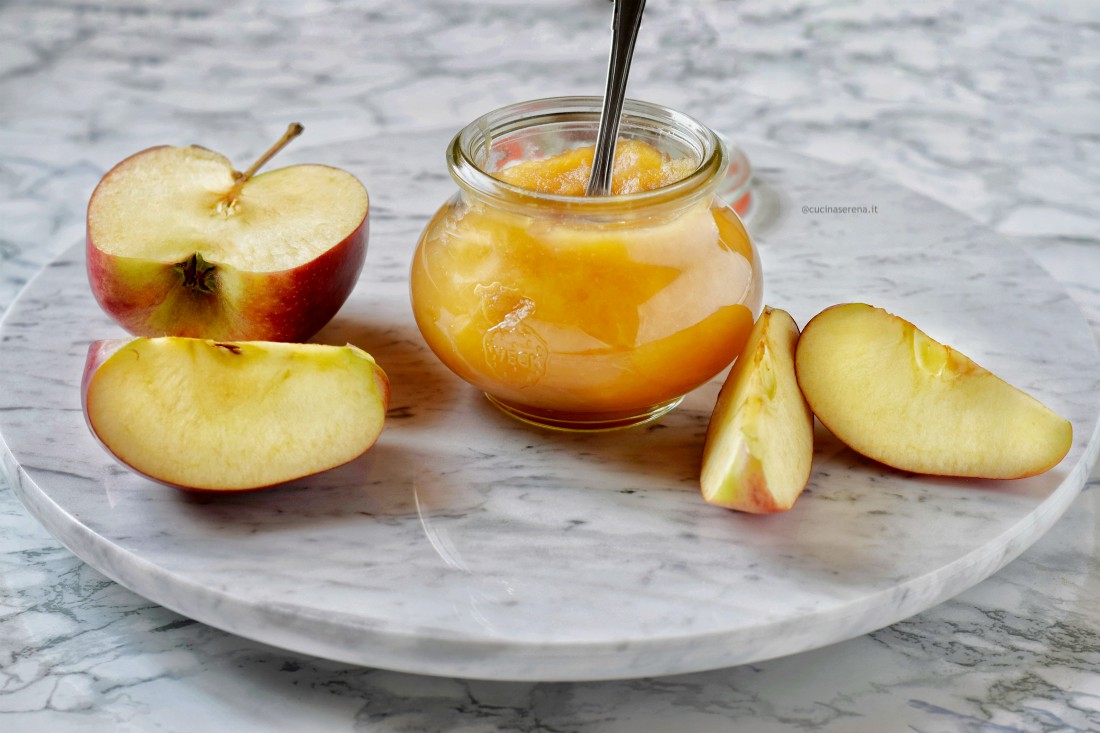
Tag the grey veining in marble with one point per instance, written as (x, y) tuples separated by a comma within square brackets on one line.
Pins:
[(515, 554), (991, 108)]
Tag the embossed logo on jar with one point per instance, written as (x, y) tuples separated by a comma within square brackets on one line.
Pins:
[(513, 350), (517, 356)]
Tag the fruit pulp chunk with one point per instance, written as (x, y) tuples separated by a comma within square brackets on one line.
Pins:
[(638, 167), (576, 316)]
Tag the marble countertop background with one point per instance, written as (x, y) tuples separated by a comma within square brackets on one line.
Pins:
[(990, 107)]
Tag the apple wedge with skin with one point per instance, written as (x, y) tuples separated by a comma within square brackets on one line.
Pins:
[(230, 416), (893, 394), (181, 244), (759, 444)]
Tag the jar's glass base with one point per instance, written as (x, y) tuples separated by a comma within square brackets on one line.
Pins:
[(581, 421)]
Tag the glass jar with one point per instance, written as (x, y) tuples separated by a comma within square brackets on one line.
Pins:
[(584, 313)]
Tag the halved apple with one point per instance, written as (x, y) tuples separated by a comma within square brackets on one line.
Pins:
[(181, 244), (225, 416), (893, 394), (759, 444)]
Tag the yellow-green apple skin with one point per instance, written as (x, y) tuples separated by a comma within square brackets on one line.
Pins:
[(170, 252), (759, 445), (893, 394), (229, 416)]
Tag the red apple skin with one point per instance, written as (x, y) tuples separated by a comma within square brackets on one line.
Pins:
[(291, 305), (101, 351), (146, 299), (98, 352)]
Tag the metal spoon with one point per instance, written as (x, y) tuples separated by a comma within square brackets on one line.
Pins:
[(624, 31)]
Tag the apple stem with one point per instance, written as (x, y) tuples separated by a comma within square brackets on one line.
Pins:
[(292, 131)]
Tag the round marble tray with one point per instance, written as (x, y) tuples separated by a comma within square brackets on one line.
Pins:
[(470, 545)]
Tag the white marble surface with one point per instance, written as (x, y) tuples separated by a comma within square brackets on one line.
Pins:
[(466, 544), (992, 109)]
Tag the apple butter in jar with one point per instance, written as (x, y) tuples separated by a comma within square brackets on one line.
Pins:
[(576, 312)]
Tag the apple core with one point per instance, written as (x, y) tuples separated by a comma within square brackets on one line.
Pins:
[(181, 244), (197, 273)]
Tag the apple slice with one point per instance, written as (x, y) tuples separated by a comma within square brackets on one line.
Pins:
[(759, 443), (893, 394), (180, 244), (224, 416)]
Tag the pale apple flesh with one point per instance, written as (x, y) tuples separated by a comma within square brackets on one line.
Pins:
[(227, 416), (176, 247), (759, 445), (893, 394)]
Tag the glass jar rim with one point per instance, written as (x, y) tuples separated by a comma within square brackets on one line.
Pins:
[(467, 172)]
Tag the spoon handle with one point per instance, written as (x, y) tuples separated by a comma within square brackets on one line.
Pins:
[(624, 30)]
